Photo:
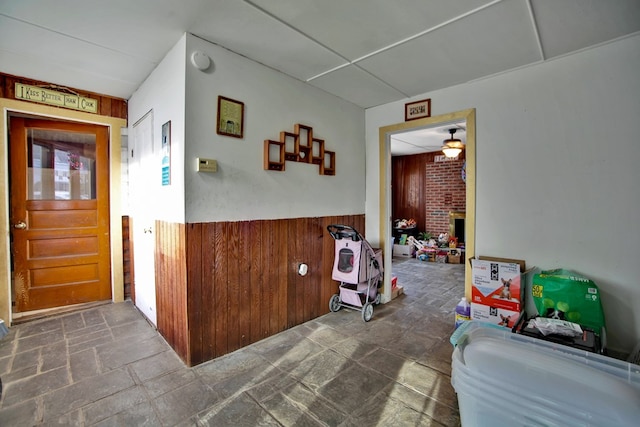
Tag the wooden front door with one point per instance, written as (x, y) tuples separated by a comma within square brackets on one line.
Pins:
[(59, 174)]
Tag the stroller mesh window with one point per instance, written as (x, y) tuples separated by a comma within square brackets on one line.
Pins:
[(345, 260)]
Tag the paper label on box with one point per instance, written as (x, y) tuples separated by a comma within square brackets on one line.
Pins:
[(495, 315), (496, 283)]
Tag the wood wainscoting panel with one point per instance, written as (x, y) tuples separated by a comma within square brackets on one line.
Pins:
[(195, 249), (127, 258), (171, 285), (224, 285)]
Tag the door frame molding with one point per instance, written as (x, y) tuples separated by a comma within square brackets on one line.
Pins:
[(115, 209), (469, 116)]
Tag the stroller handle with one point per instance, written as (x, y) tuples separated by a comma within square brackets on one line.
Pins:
[(339, 231)]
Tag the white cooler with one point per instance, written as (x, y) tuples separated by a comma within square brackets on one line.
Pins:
[(506, 379)]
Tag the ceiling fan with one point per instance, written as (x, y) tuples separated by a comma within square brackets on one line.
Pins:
[(453, 146)]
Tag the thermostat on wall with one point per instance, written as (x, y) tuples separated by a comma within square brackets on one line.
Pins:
[(206, 165)]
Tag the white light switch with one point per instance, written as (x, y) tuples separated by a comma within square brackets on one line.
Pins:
[(206, 165)]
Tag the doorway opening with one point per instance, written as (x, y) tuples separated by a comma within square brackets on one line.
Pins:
[(465, 118)]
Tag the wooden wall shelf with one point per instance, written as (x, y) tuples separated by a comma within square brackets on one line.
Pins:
[(317, 151), (298, 146), (291, 146), (328, 165), (274, 155)]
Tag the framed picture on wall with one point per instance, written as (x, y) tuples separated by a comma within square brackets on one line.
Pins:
[(230, 117), (417, 109), (166, 153)]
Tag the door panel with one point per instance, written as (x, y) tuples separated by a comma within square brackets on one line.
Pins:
[(143, 192), (59, 213)]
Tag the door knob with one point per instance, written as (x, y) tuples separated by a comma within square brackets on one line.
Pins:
[(20, 225)]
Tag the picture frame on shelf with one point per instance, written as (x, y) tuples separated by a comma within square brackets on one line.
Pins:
[(230, 119)]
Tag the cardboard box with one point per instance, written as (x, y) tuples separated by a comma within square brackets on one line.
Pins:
[(454, 257), (497, 283), (494, 315), (399, 290), (406, 251)]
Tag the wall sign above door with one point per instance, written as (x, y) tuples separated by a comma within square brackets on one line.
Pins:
[(59, 99), (417, 110)]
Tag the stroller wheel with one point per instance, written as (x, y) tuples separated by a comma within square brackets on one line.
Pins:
[(334, 303), (378, 298), (367, 312)]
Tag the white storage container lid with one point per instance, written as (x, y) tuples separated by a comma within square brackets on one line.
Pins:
[(502, 377)]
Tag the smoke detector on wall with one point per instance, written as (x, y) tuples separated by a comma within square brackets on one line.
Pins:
[(200, 60)]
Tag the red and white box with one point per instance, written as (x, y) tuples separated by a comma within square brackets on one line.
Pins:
[(495, 315), (497, 284)]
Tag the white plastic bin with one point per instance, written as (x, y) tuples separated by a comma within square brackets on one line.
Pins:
[(506, 379)]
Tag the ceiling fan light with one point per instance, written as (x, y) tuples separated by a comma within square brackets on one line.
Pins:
[(452, 147), (451, 151), (454, 143)]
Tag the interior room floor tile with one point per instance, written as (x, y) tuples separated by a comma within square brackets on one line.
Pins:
[(107, 366)]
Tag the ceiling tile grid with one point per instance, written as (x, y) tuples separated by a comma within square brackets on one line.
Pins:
[(355, 29), (357, 86), (250, 32), (141, 28), (569, 25), (369, 52), (495, 39), (72, 60)]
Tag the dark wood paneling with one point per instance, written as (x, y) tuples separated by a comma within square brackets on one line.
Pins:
[(255, 251), (195, 249), (171, 286), (233, 286), (220, 295), (127, 258), (222, 286), (408, 188), (107, 105), (294, 316), (412, 195)]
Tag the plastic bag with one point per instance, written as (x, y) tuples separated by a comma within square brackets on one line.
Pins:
[(565, 295), (556, 327)]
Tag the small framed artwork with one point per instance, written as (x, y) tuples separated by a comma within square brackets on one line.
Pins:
[(417, 109), (230, 117), (166, 153)]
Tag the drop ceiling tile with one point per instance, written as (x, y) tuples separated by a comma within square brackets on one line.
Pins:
[(355, 85), (250, 32), (39, 53), (570, 25), (144, 28), (356, 28), (495, 39), (31, 67)]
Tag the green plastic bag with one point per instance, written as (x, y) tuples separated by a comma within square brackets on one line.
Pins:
[(563, 294)]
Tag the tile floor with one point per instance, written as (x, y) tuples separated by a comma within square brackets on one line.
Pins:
[(106, 366)]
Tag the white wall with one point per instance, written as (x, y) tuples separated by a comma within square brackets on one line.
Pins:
[(242, 189), (558, 157), (163, 92)]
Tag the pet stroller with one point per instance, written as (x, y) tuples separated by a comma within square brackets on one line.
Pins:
[(358, 268)]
